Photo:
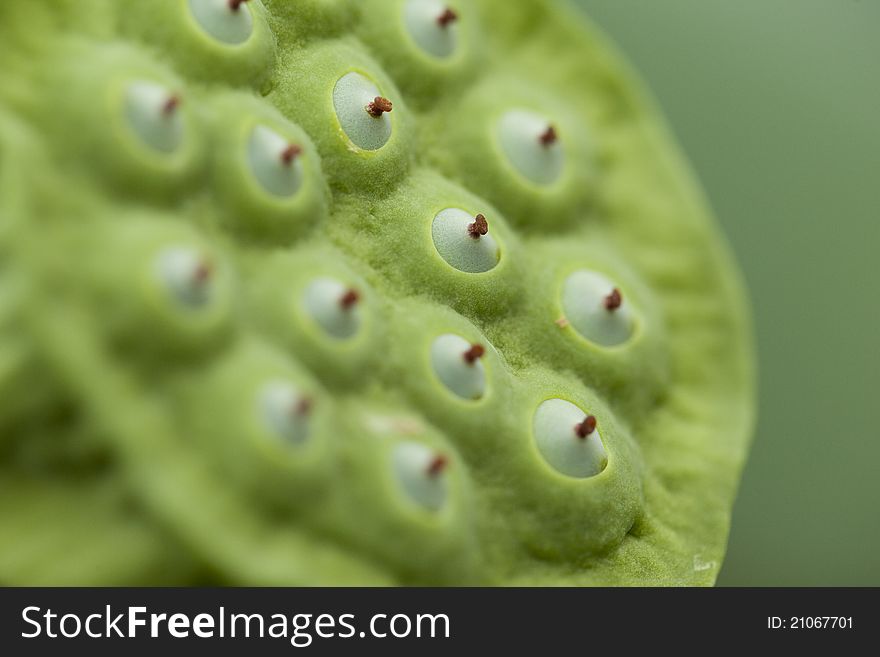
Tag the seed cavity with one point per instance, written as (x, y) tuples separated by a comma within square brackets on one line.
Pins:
[(275, 162), (433, 26), (334, 306), (152, 113), (596, 309), (362, 111), (420, 472), (187, 274), (532, 145), (228, 21), (286, 411), (458, 365), (568, 439), (463, 241)]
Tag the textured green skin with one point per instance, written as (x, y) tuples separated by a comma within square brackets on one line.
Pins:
[(129, 448)]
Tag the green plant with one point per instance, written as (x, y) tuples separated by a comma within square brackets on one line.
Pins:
[(329, 292)]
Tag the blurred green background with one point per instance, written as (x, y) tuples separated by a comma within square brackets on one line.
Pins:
[(777, 105)]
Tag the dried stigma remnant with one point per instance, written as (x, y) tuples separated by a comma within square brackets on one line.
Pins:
[(548, 137), (479, 228), (378, 106), (585, 428)]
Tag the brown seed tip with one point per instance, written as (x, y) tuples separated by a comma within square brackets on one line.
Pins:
[(549, 136), (289, 154), (349, 299), (473, 354), (613, 300), (448, 16), (303, 406), (479, 227), (437, 465), (203, 272), (378, 106), (234, 5), (170, 105), (562, 322), (585, 428)]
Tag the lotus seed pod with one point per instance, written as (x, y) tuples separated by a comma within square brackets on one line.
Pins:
[(135, 118), (432, 47), (353, 112), (438, 244), (530, 151), (325, 312), (407, 481), (265, 423), (210, 40), (577, 327), (310, 20), (168, 291), (267, 172), (354, 293)]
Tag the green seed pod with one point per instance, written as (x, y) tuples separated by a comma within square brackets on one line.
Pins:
[(312, 302), (159, 288), (135, 118), (210, 40), (523, 147), (593, 315), (431, 47), (267, 172), (266, 425), (405, 480), (432, 242), (577, 468), (331, 292), (310, 20), (353, 112), (451, 372)]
